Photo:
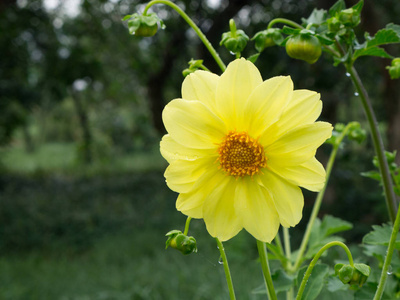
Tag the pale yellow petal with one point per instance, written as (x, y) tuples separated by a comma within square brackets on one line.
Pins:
[(182, 174), (310, 174), (255, 207), (304, 108), (288, 198), (200, 85), (171, 150), (234, 87), (298, 145), (192, 124), (219, 211), (191, 203), (265, 105)]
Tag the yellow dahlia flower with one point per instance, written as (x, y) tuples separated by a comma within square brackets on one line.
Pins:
[(239, 148)]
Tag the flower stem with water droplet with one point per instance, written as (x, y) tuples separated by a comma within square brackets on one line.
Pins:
[(226, 269)]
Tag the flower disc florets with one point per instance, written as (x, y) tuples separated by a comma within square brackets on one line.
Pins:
[(241, 155)]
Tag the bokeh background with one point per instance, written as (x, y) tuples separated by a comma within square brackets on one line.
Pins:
[(83, 203)]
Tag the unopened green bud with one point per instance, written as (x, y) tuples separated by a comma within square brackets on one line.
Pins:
[(267, 38), (353, 275), (349, 17), (194, 65), (181, 242), (143, 25), (333, 24), (356, 133), (304, 46), (234, 40), (394, 68)]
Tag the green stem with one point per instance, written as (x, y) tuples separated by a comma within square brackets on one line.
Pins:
[(187, 224), (314, 261), (388, 258), (286, 241), (279, 244), (318, 200), (226, 269), (378, 144), (284, 21), (191, 24), (262, 252)]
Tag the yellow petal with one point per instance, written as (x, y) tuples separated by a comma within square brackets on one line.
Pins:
[(310, 174), (288, 198), (234, 87), (256, 208), (200, 85), (298, 145), (182, 174), (191, 203), (218, 210), (171, 150), (266, 103), (192, 124), (304, 108)]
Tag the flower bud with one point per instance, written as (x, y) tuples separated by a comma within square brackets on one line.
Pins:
[(181, 242), (333, 24), (394, 69), (349, 17), (304, 46), (356, 275), (234, 40), (143, 25), (267, 38)]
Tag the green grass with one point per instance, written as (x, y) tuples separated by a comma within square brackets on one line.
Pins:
[(62, 157)]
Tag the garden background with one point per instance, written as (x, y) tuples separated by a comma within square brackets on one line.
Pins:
[(83, 203)]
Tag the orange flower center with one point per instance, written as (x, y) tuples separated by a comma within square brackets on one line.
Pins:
[(240, 155)]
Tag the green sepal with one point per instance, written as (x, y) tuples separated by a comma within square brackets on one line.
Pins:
[(267, 38), (353, 275), (316, 18), (177, 240), (337, 7), (194, 65), (143, 25), (234, 42)]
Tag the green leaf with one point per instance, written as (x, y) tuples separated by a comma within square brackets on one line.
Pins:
[(394, 27), (253, 58), (331, 225), (282, 281), (380, 236), (375, 175), (384, 37), (368, 292), (317, 17), (374, 51), (315, 282), (336, 8), (334, 284)]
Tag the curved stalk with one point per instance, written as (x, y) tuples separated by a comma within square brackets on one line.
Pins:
[(314, 261), (284, 21), (191, 24), (187, 224), (226, 269)]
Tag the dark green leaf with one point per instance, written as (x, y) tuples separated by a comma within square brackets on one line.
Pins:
[(253, 58), (374, 51), (375, 175), (380, 236), (282, 281), (394, 27), (331, 225), (383, 37), (334, 284), (368, 292), (337, 7), (289, 30), (317, 17), (358, 7), (315, 282)]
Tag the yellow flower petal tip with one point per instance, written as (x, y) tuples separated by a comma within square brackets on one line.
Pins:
[(240, 148)]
